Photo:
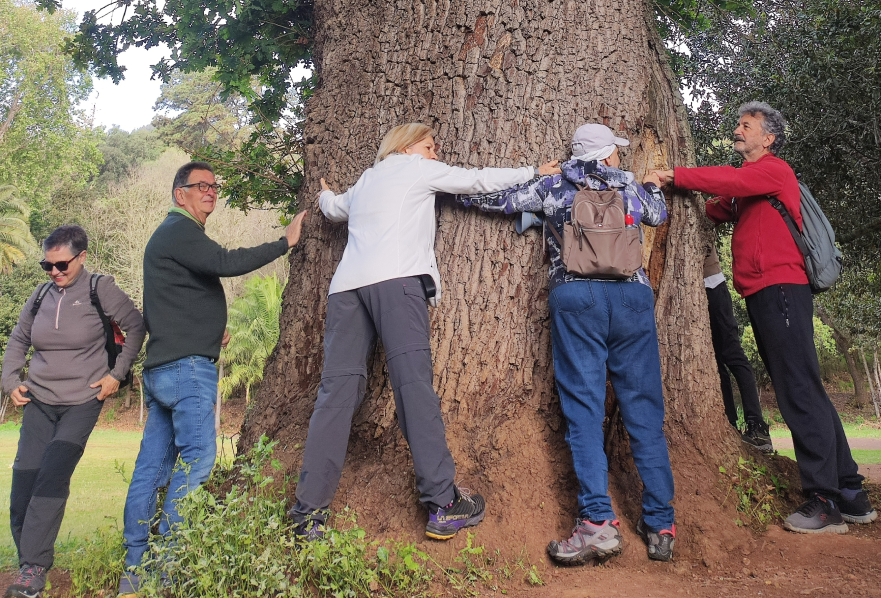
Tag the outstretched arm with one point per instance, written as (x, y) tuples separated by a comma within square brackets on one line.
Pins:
[(526, 197)]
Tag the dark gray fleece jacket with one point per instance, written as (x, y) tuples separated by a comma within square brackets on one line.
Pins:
[(68, 340)]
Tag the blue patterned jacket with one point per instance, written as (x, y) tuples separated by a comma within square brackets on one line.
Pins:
[(552, 196)]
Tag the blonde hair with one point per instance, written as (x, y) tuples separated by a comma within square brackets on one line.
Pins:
[(400, 138)]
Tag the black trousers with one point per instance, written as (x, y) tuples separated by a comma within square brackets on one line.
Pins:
[(395, 310), (782, 319), (730, 356), (50, 444)]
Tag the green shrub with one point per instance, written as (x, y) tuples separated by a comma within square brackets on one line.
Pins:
[(95, 564), (756, 491), (241, 544)]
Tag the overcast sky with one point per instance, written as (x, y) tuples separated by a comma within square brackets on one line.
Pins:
[(129, 104)]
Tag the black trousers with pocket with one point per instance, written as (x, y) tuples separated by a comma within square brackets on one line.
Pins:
[(782, 319), (50, 444), (730, 356), (396, 311)]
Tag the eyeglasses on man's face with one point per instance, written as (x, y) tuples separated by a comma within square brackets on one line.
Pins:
[(203, 187), (60, 266)]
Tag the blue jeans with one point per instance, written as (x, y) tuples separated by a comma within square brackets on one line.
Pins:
[(180, 397), (608, 324)]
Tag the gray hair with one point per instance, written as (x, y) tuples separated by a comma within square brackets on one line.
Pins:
[(71, 236), (773, 122), (183, 176)]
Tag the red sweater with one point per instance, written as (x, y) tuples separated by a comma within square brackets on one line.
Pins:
[(763, 251)]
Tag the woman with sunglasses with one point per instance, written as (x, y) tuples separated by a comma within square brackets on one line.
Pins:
[(67, 381)]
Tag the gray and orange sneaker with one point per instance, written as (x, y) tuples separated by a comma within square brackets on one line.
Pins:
[(818, 515), (589, 542), (660, 544), (466, 510)]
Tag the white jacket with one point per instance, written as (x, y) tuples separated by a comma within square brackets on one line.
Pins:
[(391, 218)]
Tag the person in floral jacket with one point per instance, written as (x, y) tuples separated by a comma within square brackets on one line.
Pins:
[(598, 325)]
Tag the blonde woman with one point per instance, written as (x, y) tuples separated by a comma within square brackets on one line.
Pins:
[(387, 274)]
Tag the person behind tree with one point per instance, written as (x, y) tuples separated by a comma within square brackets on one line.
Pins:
[(769, 273), (387, 273), (67, 381), (600, 324), (185, 314), (729, 355)]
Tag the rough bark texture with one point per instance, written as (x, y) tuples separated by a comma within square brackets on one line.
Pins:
[(505, 83)]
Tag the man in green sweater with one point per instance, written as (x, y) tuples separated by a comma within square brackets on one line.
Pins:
[(185, 314)]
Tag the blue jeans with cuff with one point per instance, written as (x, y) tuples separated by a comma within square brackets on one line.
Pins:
[(180, 397), (597, 325)]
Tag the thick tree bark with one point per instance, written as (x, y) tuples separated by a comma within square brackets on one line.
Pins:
[(505, 83), (845, 346)]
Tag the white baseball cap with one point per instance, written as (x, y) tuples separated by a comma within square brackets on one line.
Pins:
[(592, 137)]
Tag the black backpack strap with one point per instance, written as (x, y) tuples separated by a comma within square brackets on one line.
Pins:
[(109, 336), (790, 224), (602, 180), (41, 294)]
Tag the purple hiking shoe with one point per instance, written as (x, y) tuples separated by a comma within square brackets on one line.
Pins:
[(466, 510)]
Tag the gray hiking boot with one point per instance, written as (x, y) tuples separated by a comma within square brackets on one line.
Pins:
[(29, 584), (858, 510), (659, 544), (819, 515), (589, 542)]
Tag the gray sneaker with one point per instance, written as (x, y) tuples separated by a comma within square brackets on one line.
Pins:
[(129, 584), (589, 542), (29, 584), (818, 515), (659, 544)]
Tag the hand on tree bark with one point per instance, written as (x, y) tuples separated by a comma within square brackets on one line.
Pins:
[(549, 168), (664, 176), (324, 186), (652, 177), (293, 230)]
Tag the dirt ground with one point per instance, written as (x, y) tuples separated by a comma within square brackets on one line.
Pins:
[(772, 563)]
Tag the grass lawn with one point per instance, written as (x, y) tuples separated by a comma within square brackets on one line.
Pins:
[(862, 457), (97, 490), (850, 430)]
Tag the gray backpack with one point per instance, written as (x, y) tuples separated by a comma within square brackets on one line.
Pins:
[(816, 241), (597, 242)]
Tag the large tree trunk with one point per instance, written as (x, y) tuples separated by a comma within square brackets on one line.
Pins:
[(505, 83), (844, 345)]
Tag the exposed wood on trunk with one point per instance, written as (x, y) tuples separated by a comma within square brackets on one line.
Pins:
[(505, 83)]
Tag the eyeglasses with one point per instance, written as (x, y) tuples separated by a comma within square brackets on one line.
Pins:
[(60, 266), (203, 187)]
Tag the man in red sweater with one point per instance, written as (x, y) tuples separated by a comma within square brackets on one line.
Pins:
[(769, 272)]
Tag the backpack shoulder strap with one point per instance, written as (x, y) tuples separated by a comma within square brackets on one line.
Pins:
[(602, 180), (109, 335), (41, 294), (790, 224)]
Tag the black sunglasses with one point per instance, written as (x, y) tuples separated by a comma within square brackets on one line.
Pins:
[(60, 266)]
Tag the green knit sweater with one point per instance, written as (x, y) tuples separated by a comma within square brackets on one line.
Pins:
[(184, 303)]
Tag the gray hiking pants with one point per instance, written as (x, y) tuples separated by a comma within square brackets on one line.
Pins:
[(50, 444), (396, 311)]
